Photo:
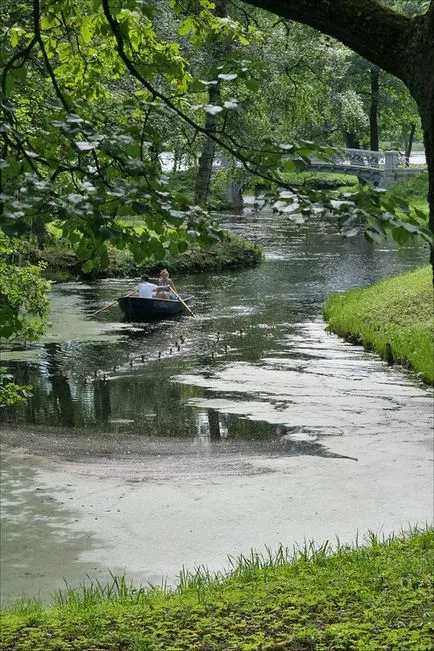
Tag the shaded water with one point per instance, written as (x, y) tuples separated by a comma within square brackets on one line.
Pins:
[(252, 378)]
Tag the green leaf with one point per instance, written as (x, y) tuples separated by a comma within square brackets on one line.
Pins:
[(252, 84), (400, 236), (197, 86), (421, 214), (88, 266), (186, 27), (289, 166)]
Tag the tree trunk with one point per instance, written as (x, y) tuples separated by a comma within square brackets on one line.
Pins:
[(208, 148), (428, 136), (409, 144), (39, 230), (373, 108), (400, 45), (206, 158), (351, 140)]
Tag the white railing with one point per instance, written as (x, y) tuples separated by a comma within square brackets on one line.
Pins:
[(365, 158)]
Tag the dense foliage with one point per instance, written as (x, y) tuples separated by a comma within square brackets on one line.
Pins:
[(92, 93), (23, 308)]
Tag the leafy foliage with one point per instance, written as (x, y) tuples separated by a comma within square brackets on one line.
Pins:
[(23, 299), (23, 309), (10, 392), (91, 91)]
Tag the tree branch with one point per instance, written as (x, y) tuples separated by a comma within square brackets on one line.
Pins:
[(21, 54), (251, 166), (38, 37), (374, 31)]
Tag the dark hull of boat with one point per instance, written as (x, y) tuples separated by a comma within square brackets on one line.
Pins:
[(152, 309)]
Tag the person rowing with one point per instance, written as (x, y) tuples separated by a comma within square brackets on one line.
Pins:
[(147, 289), (164, 279)]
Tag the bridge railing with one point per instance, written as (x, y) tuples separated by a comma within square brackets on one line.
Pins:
[(360, 158), (387, 161)]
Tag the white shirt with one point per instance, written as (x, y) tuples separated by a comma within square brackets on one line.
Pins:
[(146, 290)]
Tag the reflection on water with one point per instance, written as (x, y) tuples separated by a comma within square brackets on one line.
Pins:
[(254, 365)]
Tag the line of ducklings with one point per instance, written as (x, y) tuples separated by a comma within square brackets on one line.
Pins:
[(104, 376)]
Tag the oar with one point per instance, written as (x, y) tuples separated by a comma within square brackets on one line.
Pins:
[(110, 304), (184, 304)]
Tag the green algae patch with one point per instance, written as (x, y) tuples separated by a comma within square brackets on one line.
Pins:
[(362, 598), (393, 317)]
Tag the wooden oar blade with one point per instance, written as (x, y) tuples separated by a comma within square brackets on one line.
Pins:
[(184, 304)]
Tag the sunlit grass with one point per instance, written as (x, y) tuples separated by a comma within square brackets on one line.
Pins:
[(376, 595), (394, 317)]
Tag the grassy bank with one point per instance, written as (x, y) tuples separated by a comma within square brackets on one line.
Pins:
[(393, 317), (360, 599)]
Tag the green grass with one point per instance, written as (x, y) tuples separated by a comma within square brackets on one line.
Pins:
[(393, 317), (365, 598), (322, 180), (414, 189)]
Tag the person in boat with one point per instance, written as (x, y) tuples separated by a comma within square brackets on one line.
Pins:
[(164, 279), (147, 289)]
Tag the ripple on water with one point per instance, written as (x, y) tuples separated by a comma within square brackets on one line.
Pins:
[(318, 382)]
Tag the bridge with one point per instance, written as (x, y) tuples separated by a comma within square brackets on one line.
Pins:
[(377, 168)]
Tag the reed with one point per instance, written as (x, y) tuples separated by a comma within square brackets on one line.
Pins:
[(373, 594)]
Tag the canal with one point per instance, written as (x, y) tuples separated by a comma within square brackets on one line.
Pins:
[(148, 448)]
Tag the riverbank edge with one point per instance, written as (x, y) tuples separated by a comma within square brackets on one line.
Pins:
[(369, 596), (232, 252), (393, 317)]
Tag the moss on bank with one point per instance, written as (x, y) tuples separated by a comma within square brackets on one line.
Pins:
[(394, 317), (361, 599), (231, 253)]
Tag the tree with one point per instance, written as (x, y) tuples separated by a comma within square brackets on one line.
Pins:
[(401, 45), (208, 147), (83, 164)]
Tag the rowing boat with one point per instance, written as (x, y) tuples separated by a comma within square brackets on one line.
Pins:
[(152, 309)]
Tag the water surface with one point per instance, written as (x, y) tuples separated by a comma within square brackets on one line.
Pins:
[(139, 432)]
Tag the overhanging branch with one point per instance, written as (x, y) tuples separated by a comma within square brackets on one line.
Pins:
[(379, 34), (250, 165)]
